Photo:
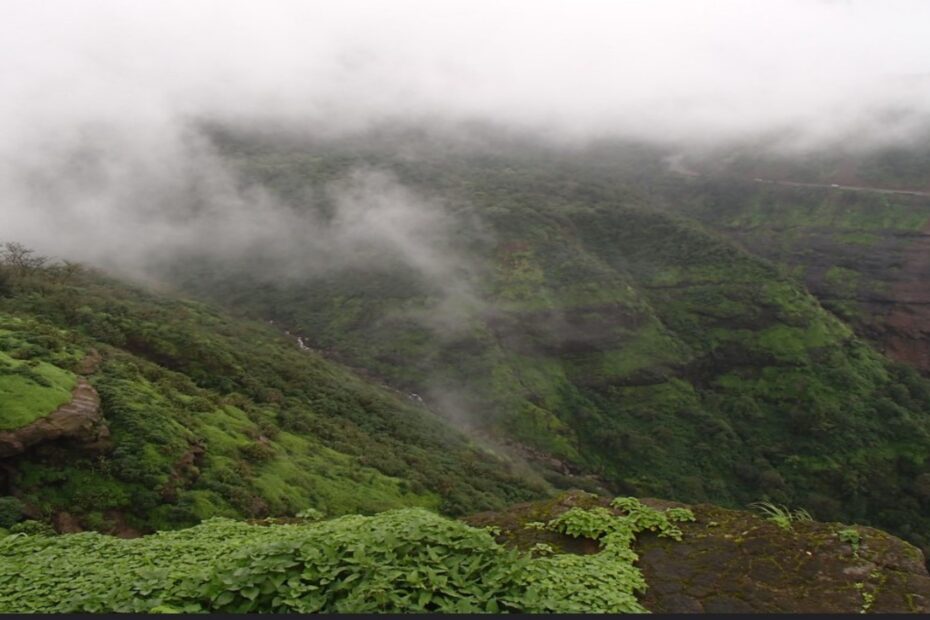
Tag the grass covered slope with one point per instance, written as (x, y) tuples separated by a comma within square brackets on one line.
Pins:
[(211, 416), (35, 371), (624, 341), (31, 390)]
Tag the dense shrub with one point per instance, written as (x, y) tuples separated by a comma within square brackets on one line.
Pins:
[(11, 511), (400, 561)]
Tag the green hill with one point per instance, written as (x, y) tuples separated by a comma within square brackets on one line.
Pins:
[(581, 318), (627, 342), (212, 416)]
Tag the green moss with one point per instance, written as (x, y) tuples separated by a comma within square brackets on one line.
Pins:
[(843, 281), (30, 390), (650, 347)]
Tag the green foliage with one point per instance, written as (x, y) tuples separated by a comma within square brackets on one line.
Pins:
[(407, 560), (654, 332), (608, 580), (213, 416), (31, 527), (868, 598), (310, 514), (6, 283), (782, 516), (29, 388), (852, 536)]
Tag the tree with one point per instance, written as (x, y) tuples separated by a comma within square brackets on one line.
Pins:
[(6, 284), (66, 271), (20, 258)]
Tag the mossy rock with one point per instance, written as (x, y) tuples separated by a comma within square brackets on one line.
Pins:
[(737, 561)]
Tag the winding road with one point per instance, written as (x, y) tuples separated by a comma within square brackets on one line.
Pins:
[(676, 165)]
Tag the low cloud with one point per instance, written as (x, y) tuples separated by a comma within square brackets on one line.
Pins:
[(101, 158)]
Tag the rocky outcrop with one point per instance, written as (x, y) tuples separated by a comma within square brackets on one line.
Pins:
[(907, 322), (737, 561), (889, 301), (80, 420)]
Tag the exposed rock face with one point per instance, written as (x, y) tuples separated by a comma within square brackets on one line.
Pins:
[(748, 564), (736, 561), (80, 420), (907, 338), (890, 302)]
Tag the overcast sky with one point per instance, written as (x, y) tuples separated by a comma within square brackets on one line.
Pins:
[(96, 97), (659, 68)]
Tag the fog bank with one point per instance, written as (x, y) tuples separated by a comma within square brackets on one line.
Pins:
[(99, 100)]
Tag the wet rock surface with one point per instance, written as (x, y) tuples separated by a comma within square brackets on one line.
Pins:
[(732, 561)]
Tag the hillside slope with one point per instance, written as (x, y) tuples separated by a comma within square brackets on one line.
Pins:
[(865, 256), (604, 332), (197, 415)]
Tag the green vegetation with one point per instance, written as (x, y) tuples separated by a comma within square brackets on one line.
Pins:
[(30, 389), (868, 598), (852, 536), (903, 166), (407, 560), (650, 335), (782, 516), (607, 581), (617, 328), (216, 417), (848, 248)]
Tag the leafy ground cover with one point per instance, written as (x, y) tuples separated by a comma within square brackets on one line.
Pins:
[(399, 561)]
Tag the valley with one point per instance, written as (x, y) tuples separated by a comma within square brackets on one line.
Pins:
[(564, 322), (314, 307)]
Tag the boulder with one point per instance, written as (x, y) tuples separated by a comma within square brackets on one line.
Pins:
[(733, 561)]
